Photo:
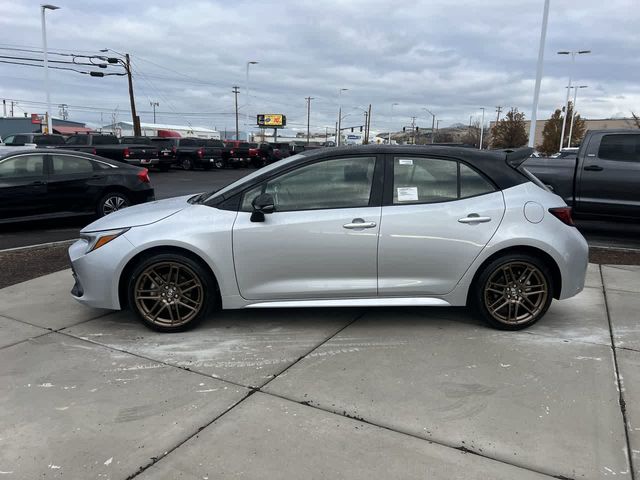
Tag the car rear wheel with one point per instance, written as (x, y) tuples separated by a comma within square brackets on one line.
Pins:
[(219, 163), (171, 292), (187, 164), (112, 202), (513, 292)]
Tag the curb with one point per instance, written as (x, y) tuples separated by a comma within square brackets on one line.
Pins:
[(39, 245)]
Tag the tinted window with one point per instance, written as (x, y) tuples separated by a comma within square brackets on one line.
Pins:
[(624, 148), (163, 142), (135, 140), (105, 140), (215, 143), (339, 183), (472, 183), (22, 166), (67, 164), (430, 180), (21, 139), (78, 140), (48, 140), (9, 140), (189, 142), (424, 180)]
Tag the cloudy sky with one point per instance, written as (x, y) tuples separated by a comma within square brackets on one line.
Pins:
[(450, 56)]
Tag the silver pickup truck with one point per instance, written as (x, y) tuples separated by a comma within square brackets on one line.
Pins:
[(603, 181)]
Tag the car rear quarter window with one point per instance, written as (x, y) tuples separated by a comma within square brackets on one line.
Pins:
[(68, 164), (78, 140), (22, 166), (472, 183), (623, 148)]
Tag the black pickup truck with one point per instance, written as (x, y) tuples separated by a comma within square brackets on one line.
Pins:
[(603, 182), (189, 153), (163, 164), (109, 146)]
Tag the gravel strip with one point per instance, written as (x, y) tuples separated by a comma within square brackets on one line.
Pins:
[(25, 264)]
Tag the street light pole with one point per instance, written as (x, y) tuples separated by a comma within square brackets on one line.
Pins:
[(566, 103), (573, 112), (481, 129), (339, 125), (246, 114), (389, 139), (308, 99), (536, 89), (433, 122), (46, 65)]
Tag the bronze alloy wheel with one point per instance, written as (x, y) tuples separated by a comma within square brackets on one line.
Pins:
[(516, 292), (168, 294)]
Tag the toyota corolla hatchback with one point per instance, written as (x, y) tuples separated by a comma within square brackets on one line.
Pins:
[(359, 226)]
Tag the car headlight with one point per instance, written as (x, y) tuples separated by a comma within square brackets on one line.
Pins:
[(96, 240)]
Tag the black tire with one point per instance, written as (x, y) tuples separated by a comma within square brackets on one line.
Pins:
[(220, 163), (504, 296), (186, 163), (145, 288), (111, 202)]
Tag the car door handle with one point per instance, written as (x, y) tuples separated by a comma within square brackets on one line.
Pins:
[(593, 168), (359, 223), (474, 219)]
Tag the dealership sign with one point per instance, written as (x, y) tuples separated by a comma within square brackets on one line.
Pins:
[(271, 120)]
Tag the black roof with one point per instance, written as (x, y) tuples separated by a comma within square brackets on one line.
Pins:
[(498, 165), (6, 152)]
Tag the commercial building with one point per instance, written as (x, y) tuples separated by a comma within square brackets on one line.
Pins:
[(35, 123), (159, 129)]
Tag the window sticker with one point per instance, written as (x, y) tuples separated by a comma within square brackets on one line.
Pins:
[(407, 194), (405, 161)]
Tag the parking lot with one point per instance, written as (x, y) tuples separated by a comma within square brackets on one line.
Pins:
[(320, 393)]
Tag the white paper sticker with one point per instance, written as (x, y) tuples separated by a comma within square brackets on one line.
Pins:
[(405, 161), (408, 194)]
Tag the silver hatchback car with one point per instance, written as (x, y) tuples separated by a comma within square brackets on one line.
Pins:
[(357, 226)]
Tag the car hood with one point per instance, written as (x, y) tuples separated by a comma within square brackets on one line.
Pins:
[(138, 215)]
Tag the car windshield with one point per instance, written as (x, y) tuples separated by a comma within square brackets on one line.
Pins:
[(216, 193)]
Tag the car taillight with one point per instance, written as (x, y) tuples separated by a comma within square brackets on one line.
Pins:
[(126, 153), (173, 150), (563, 214), (143, 176), (231, 152), (200, 152)]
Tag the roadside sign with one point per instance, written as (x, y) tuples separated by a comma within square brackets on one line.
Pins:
[(272, 120)]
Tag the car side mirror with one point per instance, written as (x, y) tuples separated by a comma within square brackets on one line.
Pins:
[(262, 204)]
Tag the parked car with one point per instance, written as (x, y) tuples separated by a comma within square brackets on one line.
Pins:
[(603, 180), (238, 153), (190, 153), (108, 146), (38, 139), (164, 164), (353, 226), (37, 184)]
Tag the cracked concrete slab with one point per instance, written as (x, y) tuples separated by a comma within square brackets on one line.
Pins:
[(268, 437), (629, 365), (248, 347), (544, 403), (72, 409), (624, 311), (45, 302), (622, 277), (12, 331)]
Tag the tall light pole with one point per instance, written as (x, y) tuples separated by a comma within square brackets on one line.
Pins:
[(433, 122), (339, 126), (573, 113), (536, 90), (46, 65), (308, 99), (394, 103), (481, 128), (573, 54), (154, 105), (246, 114)]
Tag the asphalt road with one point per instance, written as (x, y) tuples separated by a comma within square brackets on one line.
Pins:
[(178, 182)]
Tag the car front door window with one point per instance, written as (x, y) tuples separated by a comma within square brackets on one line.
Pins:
[(22, 166)]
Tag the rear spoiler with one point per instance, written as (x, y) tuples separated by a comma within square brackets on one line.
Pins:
[(517, 156)]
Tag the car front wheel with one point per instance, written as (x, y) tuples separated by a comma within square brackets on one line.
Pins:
[(112, 202), (513, 291), (187, 164), (171, 292)]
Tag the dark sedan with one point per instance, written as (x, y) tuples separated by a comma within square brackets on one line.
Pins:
[(36, 184)]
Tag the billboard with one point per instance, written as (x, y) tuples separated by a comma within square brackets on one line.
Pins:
[(271, 120)]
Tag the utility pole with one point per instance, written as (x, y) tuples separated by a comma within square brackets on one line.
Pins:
[(136, 121), (368, 124), (308, 99), (498, 110), (236, 90), (12, 104), (63, 112), (154, 105), (413, 129), (4, 107), (481, 128)]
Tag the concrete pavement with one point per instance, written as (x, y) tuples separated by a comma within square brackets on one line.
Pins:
[(321, 393)]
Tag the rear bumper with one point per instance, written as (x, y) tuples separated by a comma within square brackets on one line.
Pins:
[(142, 162)]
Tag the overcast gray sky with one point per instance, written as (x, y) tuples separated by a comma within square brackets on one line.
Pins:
[(449, 56)]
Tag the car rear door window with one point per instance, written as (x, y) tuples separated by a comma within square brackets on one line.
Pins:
[(22, 166), (68, 165), (78, 140), (336, 183), (623, 148), (433, 180)]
